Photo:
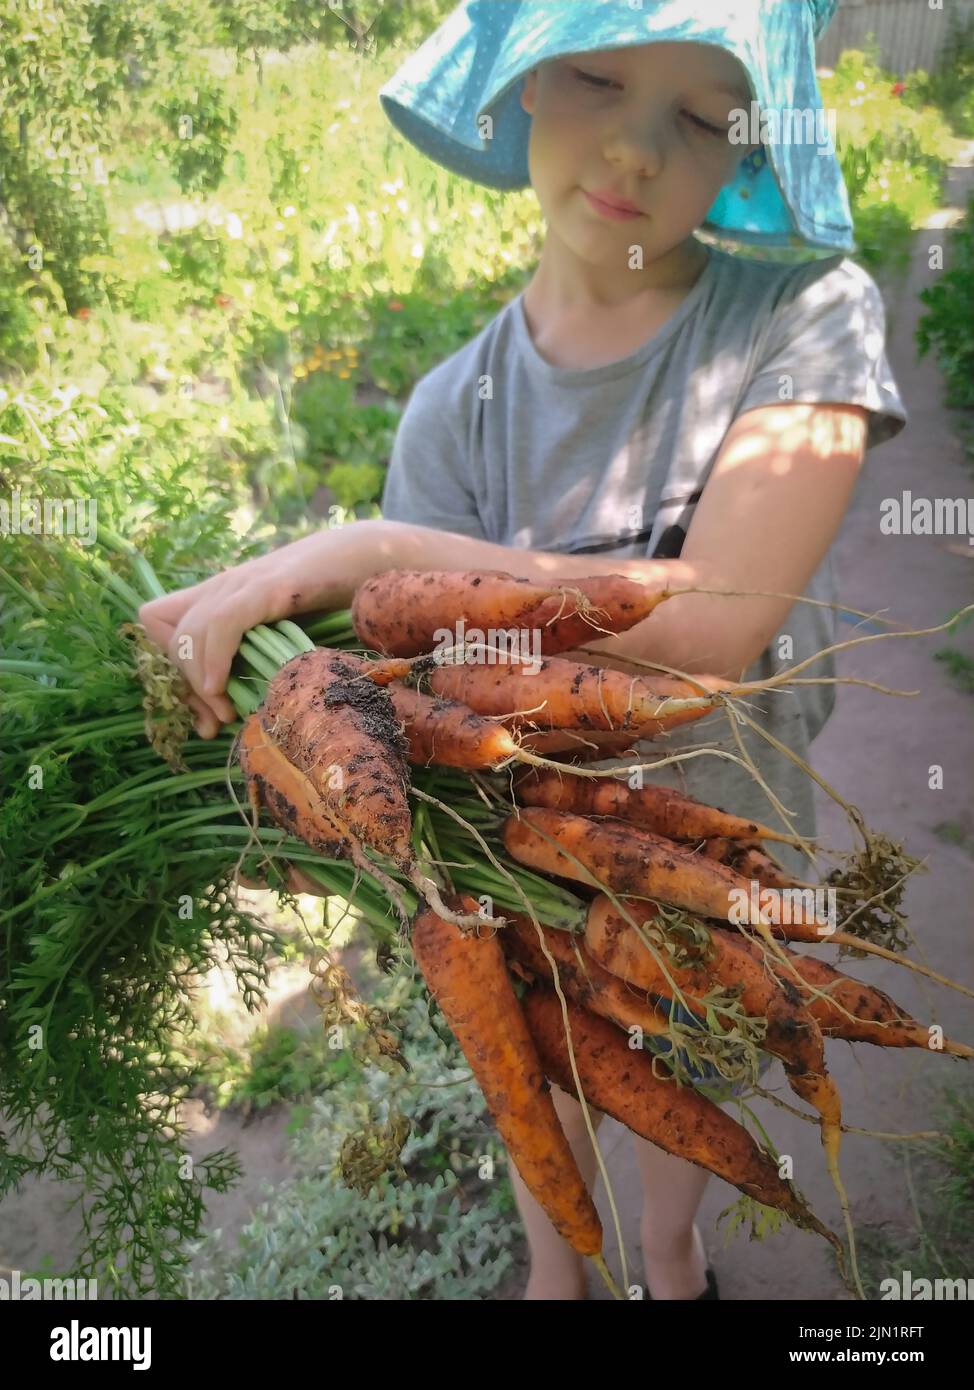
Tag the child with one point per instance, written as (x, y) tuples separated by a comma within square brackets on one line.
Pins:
[(649, 406)]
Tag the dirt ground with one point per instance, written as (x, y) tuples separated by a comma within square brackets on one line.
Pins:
[(876, 751)]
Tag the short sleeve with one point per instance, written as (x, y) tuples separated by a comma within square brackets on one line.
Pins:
[(427, 482), (826, 341)]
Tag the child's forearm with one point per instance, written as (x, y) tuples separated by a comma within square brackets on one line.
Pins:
[(693, 632)]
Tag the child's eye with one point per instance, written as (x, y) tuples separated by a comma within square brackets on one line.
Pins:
[(704, 125), (601, 83)]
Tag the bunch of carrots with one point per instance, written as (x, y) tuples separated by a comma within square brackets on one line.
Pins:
[(327, 756)]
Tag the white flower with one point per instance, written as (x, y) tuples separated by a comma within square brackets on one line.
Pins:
[(402, 204), (234, 226), (289, 211), (860, 86), (418, 250)]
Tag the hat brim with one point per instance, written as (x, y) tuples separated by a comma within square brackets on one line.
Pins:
[(458, 100)]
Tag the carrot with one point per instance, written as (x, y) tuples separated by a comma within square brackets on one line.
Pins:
[(405, 613), (583, 746), (400, 612), (467, 976), (287, 793), (588, 609), (626, 859), (662, 810), (341, 777), (876, 1018), (341, 733), (622, 1083), (580, 974), (792, 1033), (553, 693), (750, 861), (447, 733)]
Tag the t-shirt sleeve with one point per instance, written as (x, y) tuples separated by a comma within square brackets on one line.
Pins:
[(427, 482), (827, 342)]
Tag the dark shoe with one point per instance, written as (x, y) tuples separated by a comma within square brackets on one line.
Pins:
[(710, 1294)]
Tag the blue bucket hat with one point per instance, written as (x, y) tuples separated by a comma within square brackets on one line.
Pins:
[(784, 193)]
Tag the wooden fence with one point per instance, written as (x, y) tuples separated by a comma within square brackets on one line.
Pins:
[(910, 33)]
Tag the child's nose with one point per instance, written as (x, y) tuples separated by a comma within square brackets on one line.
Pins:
[(636, 144)]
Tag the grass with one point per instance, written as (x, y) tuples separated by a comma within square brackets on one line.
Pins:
[(937, 1236)]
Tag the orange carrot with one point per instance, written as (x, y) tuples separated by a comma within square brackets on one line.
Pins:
[(725, 961), (589, 609), (580, 974), (342, 734), (405, 613), (626, 859), (400, 612), (553, 693), (467, 976), (748, 860), (876, 1018), (662, 810), (585, 747), (287, 793), (448, 734), (622, 1083)]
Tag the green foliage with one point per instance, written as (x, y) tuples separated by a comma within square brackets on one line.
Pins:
[(893, 155), (951, 86), (275, 1065), (948, 323), (935, 1235), (446, 1231), (199, 122)]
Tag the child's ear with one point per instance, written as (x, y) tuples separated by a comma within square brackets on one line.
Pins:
[(528, 91)]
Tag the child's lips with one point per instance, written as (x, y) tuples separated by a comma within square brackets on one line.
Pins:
[(614, 214)]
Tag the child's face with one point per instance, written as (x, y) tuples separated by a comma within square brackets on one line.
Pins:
[(639, 124)]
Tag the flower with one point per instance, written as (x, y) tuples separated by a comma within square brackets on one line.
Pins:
[(234, 226), (898, 88), (395, 306)]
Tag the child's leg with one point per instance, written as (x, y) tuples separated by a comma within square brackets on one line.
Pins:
[(674, 1262), (557, 1271)]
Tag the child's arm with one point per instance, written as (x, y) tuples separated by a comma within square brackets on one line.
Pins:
[(770, 510)]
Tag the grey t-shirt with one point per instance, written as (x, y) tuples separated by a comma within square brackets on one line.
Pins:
[(498, 444)]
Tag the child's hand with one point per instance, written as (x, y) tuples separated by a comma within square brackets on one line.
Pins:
[(200, 627)]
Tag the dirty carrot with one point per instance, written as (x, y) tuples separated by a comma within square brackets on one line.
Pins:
[(662, 810), (342, 734), (448, 734), (723, 960), (406, 612), (468, 977), (554, 693), (581, 975), (625, 858), (587, 609), (623, 1083), (855, 1011)]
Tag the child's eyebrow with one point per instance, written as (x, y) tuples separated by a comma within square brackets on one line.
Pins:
[(732, 89)]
